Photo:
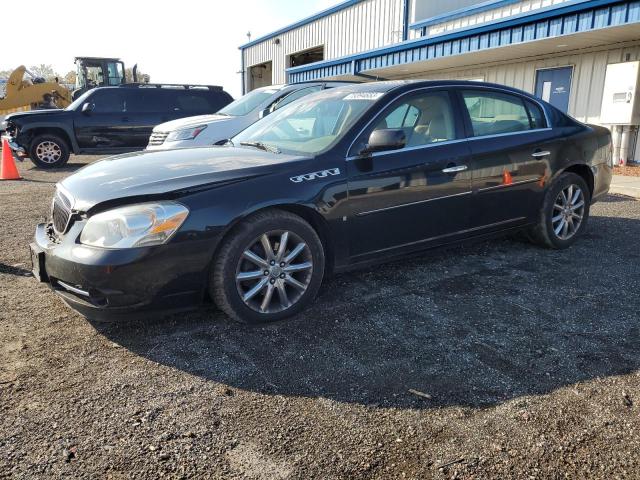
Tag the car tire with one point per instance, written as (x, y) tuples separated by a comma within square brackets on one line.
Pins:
[(564, 213), (254, 292), (48, 151)]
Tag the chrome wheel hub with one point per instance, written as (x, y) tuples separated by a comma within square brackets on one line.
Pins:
[(274, 271), (48, 152), (568, 212)]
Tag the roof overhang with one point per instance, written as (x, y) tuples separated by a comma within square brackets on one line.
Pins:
[(576, 26)]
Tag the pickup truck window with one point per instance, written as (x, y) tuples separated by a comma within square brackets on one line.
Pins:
[(108, 101)]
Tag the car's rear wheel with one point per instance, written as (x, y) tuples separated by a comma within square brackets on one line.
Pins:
[(270, 267), (48, 151), (564, 214)]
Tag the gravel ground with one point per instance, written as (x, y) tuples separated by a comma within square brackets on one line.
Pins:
[(498, 360)]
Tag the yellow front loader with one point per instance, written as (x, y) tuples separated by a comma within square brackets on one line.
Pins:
[(26, 91)]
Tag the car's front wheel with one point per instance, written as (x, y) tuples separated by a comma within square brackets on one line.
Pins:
[(564, 213), (270, 267), (48, 151)]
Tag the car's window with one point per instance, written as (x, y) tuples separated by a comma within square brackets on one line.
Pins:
[(404, 116), (494, 113), (108, 101), (312, 124), (535, 114), (81, 100), (293, 96), (248, 103), (425, 117), (189, 102), (145, 100)]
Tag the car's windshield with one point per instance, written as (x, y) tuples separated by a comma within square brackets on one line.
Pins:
[(248, 103), (79, 101), (311, 124)]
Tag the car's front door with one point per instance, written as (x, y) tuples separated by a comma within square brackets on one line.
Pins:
[(405, 198), (101, 125), (511, 146)]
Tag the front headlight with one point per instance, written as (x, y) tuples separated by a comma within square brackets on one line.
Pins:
[(139, 225), (186, 134)]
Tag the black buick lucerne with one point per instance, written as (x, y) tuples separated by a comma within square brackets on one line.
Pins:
[(344, 177)]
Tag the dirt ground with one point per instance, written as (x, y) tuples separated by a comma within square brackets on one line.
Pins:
[(498, 360), (630, 170)]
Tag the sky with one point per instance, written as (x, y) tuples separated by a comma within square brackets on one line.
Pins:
[(186, 41)]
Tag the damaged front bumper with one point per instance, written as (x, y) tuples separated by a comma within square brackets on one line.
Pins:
[(111, 285)]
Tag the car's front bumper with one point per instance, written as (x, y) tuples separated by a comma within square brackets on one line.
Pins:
[(13, 145), (110, 285)]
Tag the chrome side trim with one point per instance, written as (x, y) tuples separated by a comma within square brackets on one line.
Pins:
[(362, 214), (508, 133), (497, 187), (75, 290), (408, 149)]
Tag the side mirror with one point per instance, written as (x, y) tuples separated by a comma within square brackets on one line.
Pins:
[(87, 108), (385, 139)]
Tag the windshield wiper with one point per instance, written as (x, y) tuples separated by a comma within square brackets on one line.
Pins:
[(261, 146)]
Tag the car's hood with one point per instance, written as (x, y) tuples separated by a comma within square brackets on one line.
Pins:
[(166, 171), (32, 113), (191, 122)]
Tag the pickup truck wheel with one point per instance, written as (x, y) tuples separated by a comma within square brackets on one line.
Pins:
[(270, 267), (48, 151), (564, 213)]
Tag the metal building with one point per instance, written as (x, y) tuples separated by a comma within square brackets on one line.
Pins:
[(556, 49)]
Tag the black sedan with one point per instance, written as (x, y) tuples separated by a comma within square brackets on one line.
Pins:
[(345, 177)]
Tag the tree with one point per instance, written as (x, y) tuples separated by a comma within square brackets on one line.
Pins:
[(44, 71), (70, 78), (142, 77)]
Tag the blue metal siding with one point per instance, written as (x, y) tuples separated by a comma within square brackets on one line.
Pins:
[(595, 14)]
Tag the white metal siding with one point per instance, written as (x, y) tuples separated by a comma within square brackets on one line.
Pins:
[(424, 9), (587, 83), (486, 17), (364, 26)]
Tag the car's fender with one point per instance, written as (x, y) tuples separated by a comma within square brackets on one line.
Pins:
[(27, 129)]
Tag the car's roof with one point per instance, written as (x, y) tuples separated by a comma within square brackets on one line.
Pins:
[(388, 85), (310, 83)]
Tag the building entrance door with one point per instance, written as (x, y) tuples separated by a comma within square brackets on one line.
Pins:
[(553, 85)]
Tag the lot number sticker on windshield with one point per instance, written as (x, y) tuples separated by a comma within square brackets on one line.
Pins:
[(364, 96)]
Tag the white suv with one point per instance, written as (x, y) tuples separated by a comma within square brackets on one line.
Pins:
[(216, 129)]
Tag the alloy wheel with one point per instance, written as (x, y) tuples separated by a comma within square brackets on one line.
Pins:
[(568, 212), (48, 152), (274, 271)]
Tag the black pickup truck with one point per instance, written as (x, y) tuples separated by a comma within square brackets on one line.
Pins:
[(107, 120)]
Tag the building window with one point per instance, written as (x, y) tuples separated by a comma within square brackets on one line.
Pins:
[(260, 75), (305, 57)]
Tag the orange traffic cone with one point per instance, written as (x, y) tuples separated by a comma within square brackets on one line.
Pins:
[(8, 170), (506, 178)]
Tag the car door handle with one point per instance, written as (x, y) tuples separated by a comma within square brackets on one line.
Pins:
[(541, 153), (454, 169)]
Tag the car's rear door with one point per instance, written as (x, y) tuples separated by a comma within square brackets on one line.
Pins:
[(403, 199), (512, 146), (146, 107)]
